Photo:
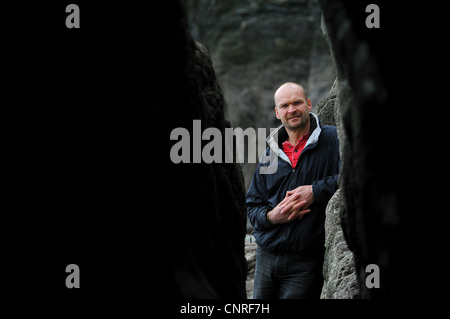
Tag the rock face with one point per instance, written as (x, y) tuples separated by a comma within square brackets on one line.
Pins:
[(340, 281), (339, 266), (138, 225), (326, 108), (210, 261), (250, 256), (373, 180)]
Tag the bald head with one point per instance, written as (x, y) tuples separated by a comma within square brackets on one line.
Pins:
[(288, 88), (292, 107)]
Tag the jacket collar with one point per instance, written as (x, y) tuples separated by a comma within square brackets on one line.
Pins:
[(279, 135)]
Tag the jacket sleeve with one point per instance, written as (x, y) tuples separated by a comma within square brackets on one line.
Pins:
[(325, 188), (257, 204)]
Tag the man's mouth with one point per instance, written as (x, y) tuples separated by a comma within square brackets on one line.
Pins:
[(294, 117)]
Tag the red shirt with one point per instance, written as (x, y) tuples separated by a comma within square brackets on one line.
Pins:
[(293, 152)]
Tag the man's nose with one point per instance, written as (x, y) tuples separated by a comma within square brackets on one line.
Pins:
[(291, 108)]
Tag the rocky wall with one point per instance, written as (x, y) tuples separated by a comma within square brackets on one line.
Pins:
[(372, 179), (102, 107), (340, 281)]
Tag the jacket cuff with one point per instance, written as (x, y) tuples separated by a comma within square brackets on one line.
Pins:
[(317, 192), (324, 189), (265, 222)]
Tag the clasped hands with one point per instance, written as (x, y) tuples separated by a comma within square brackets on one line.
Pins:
[(294, 205)]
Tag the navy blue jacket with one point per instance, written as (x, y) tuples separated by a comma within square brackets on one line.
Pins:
[(318, 166)]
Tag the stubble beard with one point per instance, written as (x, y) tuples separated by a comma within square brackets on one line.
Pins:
[(303, 122)]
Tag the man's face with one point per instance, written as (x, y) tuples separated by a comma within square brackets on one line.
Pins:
[(292, 107)]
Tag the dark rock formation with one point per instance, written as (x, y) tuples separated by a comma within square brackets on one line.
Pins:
[(375, 144), (138, 225), (209, 250)]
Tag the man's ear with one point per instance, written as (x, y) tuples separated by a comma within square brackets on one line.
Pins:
[(309, 105), (276, 113)]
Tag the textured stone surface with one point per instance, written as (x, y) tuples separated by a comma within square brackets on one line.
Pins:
[(340, 280), (250, 256), (325, 107)]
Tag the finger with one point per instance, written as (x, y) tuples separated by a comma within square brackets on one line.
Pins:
[(293, 215), (283, 202), (303, 213), (293, 206), (299, 205), (298, 214), (287, 208), (290, 199), (289, 193)]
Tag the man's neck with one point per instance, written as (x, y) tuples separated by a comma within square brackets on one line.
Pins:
[(296, 135)]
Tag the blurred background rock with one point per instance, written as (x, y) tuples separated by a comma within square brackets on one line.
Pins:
[(257, 45)]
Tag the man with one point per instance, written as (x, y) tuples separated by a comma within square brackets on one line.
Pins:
[(287, 207)]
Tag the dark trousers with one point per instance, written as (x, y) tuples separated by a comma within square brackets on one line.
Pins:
[(287, 276)]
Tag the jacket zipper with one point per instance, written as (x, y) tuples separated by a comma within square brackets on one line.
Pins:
[(294, 168), (292, 187)]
